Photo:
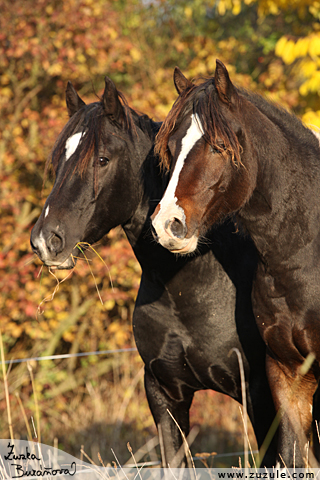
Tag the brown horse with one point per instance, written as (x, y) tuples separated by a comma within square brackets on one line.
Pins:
[(230, 152)]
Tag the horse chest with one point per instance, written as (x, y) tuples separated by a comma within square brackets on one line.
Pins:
[(185, 330), (182, 358), (177, 368)]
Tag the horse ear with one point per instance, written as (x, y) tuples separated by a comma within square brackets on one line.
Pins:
[(180, 81), (223, 84), (110, 98), (74, 102)]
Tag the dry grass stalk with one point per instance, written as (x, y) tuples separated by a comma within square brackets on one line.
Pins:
[(135, 463), (29, 434), (36, 405), (87, 260), (118, 463), (244, 405), (49, 298), (96, 469), (247, 436), (6, 388), (148, 448), (185, 444)]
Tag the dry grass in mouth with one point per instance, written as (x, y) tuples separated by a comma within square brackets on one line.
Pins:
[(87, 245), (50, 297), (51, 270)]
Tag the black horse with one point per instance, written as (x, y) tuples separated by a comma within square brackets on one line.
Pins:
[(190, 312), (233, 152)]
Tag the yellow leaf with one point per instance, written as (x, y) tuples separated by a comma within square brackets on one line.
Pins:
[(58, 43), (280, 46), (5, 79), (17, 131), (312, 120), (81, 58), (236, 7), (288, 55), (301, 47), (135, 54), (314, 46), (68, 336), (308, 67), (6, 92), (273, 8), (55, 69), (315, 9), (311, 85), (113, 34), (314, 82), (222, 7), (109, 304), (188, 12)]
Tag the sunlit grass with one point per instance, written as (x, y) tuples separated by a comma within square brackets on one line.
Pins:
[(88, 245)]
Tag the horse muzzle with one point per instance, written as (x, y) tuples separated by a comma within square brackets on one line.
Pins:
[(49, 246), (171, 233)]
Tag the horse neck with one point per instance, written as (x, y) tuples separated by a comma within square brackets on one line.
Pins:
[(284, 195), (149, 188)]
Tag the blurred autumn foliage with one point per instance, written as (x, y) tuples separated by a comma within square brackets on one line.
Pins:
[(271, 46)]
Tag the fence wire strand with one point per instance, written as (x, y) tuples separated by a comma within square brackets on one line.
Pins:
[(69, 355)]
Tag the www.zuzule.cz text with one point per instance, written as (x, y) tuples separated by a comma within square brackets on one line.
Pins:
[(272, 475)]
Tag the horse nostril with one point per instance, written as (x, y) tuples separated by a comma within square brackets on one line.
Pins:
[(178, 229), (55, 243)]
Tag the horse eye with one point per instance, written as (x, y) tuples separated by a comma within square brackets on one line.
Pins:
[(218, 150), (214, 150), (103, 161)]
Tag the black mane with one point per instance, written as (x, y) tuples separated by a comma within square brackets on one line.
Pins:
[(91, 117)]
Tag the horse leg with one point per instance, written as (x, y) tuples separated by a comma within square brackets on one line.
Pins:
[(316, 424), (262, 416), (169, 434), (292, 395)]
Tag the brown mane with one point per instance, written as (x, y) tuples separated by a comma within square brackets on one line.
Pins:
[(199, 99)]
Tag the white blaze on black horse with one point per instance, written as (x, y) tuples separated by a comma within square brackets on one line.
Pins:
[(72, 144), (260, 163), (190, 312)]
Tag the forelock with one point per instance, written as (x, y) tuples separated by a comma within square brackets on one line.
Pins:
[(202, 101)]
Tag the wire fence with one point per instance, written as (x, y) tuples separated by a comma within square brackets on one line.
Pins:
[(70, 355), (109, 352), (198, 457)]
